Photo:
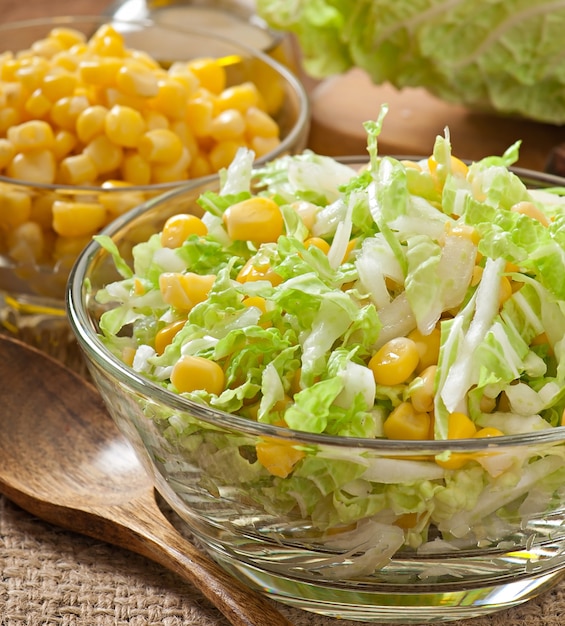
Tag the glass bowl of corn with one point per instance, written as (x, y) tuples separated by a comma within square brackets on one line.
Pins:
[(98, 115)]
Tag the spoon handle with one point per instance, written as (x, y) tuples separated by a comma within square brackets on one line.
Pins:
[(153, 536)]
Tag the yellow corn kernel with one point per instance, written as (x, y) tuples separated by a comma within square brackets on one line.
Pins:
[(505, 290), (351, 245), (488, 431), (14, 95), (531, 210), (256, 219), (66, 249), (406, 521), (59, 85), (78, 169), (172, 172), (47, 47), (210, 74), (35, 166), (154, 119), (180, 71), (8, 67), (464, 231), (184, 291), (68, 37), (260, 124), (178, 228), (112, 97), (277, 456), (540, 340), (26, 243), (64, 143), (404, 422), (76, 219), (41, 209), (66, 61), (65, 112), (199, 115), (263, 145), (229, 124), (91, 122), (31, 72), (124, 126), (32, 135), (7, 152), (199, 166), (395, 362), (427, 346), (194, 373), (306, 211), (256, 301), (460, 426), (38, 105), (106, 41), (138, 287), (15, 207), (146, 60), (128, 355), (318, 242), (422, 398), (455, 461), (253, 271), (477, 275), (106, 155), (223, 153), (413, 165), (241, 97), (165, 336), (136, 79), (456, 166), (135, 169), (171, 99), (185, 134), (117, 197), (160, 145), (100, 72), (9, 116)]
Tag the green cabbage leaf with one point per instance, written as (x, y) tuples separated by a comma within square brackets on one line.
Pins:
[(501, 55)]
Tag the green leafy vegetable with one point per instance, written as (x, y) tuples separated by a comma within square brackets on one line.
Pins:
[(503, 55)]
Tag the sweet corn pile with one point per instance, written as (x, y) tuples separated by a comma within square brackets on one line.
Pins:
[(80, 112)]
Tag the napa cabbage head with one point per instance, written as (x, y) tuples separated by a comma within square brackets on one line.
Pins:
[(482, 54)]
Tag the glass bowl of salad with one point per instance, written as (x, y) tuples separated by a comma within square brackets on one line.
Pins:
[(347, 376), (99, 115)]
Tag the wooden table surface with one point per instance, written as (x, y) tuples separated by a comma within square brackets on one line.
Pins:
[(12, 10), (341, 104)]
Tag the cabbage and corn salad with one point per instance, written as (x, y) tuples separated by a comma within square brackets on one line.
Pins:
[(411, 300)]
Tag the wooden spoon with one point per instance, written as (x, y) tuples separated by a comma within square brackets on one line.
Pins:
[(63, 460)]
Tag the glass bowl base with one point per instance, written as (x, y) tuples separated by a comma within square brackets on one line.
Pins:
[(42, 323), (389, 606)]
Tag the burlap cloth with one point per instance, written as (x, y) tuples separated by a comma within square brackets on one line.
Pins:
[(52, 577)]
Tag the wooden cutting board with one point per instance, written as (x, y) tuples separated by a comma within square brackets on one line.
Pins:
[(341, 104)]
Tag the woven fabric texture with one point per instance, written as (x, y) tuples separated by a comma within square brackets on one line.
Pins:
[(50, 577)]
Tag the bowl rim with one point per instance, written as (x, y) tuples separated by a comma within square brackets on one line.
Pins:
[(95, 351), (301, 126)]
